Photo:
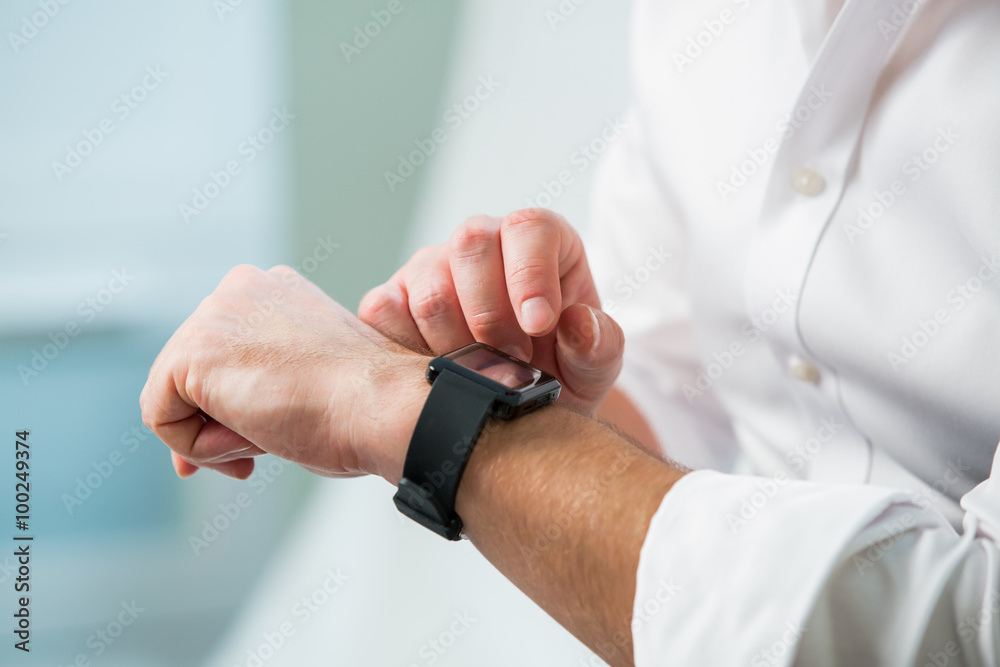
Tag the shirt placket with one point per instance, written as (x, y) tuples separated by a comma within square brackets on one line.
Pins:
[(805, 187)]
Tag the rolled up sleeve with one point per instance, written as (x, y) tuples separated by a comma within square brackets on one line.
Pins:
[(767, 571)]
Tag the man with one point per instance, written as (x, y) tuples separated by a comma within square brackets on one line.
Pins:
[(799, 234)]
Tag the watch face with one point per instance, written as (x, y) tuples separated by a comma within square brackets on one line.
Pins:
[(508, 371)]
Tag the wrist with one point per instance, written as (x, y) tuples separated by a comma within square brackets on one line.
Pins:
[(397, 391)]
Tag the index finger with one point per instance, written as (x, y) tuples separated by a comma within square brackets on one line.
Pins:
[(543, 255), (477, 269)]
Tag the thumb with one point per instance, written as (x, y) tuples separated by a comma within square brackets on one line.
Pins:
[(589, 347)]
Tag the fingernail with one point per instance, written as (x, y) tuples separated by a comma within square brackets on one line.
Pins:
[(585, 338), (596, 329), (536, 315)]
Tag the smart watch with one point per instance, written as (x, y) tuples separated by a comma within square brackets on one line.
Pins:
[(468, 386)]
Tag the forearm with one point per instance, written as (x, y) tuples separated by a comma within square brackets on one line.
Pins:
[(619, 409), (560, 504)]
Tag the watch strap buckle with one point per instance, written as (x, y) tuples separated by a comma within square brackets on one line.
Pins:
[(419, 504)]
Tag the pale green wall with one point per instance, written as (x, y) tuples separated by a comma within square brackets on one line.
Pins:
[(353, 120)]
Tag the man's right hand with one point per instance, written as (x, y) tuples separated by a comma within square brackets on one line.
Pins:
[(519, 283)]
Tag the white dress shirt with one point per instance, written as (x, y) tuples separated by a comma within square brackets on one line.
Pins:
[(800, 234)]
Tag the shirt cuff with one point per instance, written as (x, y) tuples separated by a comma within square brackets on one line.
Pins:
[(732, 565)]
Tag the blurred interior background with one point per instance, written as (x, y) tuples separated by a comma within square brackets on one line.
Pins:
[(148, 148)]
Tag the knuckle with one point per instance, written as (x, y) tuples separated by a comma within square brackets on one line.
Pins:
[(149, 414), (376, 305), (528, 219), (527, 271), (209, 303), (473, 237), (487, 321), (426, 255), (288, 276), (432, 302), (282, 270), (242, 273)]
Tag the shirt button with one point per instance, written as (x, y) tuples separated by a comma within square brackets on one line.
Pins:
[(803, 371), (807, 182)]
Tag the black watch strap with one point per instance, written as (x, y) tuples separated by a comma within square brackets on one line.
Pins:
[(449, 425)]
